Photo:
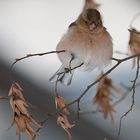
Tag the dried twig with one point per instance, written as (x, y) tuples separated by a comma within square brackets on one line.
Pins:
[(56, 94), (21, 116), (56, 86), (5, 98), (133, 98), (119, 61), (30, 55), (36, 54), (62, 73), (77, 100), (125, 94)]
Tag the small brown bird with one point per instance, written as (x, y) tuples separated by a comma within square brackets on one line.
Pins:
[(86, 43)]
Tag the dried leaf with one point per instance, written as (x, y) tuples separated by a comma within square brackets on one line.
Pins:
[(65, 124), (21, 123), (61, 103), (134, 43), (16, 90), (103, 97), (21, 106), (34, 122), (22, 118)]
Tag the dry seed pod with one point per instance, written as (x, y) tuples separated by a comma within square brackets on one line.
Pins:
[(16, 90), (61, 103), (134, 43), (65, 124), (134, 40), (103, 97), (23, 124), (22, 118)]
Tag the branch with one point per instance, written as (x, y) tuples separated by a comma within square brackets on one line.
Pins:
[(61, 73), (133, 98), (69, 70), (119, 61), (36, 54), (77, 100), (5, 98), (125, 94), (30, 55)]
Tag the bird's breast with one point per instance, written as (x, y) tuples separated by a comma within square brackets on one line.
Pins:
[(93, 50)]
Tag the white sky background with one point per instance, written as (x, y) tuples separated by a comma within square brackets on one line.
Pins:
[(32, 26)]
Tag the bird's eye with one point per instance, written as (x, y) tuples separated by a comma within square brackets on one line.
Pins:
[(86, 22)]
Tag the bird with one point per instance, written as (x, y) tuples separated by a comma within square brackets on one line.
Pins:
[(87, 44)]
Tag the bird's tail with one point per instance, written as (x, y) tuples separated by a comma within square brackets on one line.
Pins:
[(63, 75)]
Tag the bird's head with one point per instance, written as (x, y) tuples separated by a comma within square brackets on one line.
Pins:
[(92, 18), (134, 31)]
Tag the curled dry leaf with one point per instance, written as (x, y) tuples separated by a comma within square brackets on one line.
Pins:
[(22, 118), (23, 125), (62, 120), (61, 103), (19, 106), (134, 43), (103, 97), (16, 90)]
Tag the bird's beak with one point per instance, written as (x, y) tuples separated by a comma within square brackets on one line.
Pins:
[(130, 30), (92, 26)]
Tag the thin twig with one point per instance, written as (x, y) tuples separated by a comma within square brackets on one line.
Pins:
[(5, 98), (78, 109), (56, 86), (125, 94), (77, 100), (42, 123), (35, 54), (59, 110), (71, 61), (31, 55), (64, 72), (69, 70), (119, 61), (113, 105), (92, 84), (133, 98)]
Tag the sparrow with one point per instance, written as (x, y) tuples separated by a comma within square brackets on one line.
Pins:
[(87, 44)]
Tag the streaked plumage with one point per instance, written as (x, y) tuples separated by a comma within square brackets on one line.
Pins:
[(86, 41)]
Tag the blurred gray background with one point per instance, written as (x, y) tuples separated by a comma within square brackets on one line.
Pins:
[(33, 26)]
